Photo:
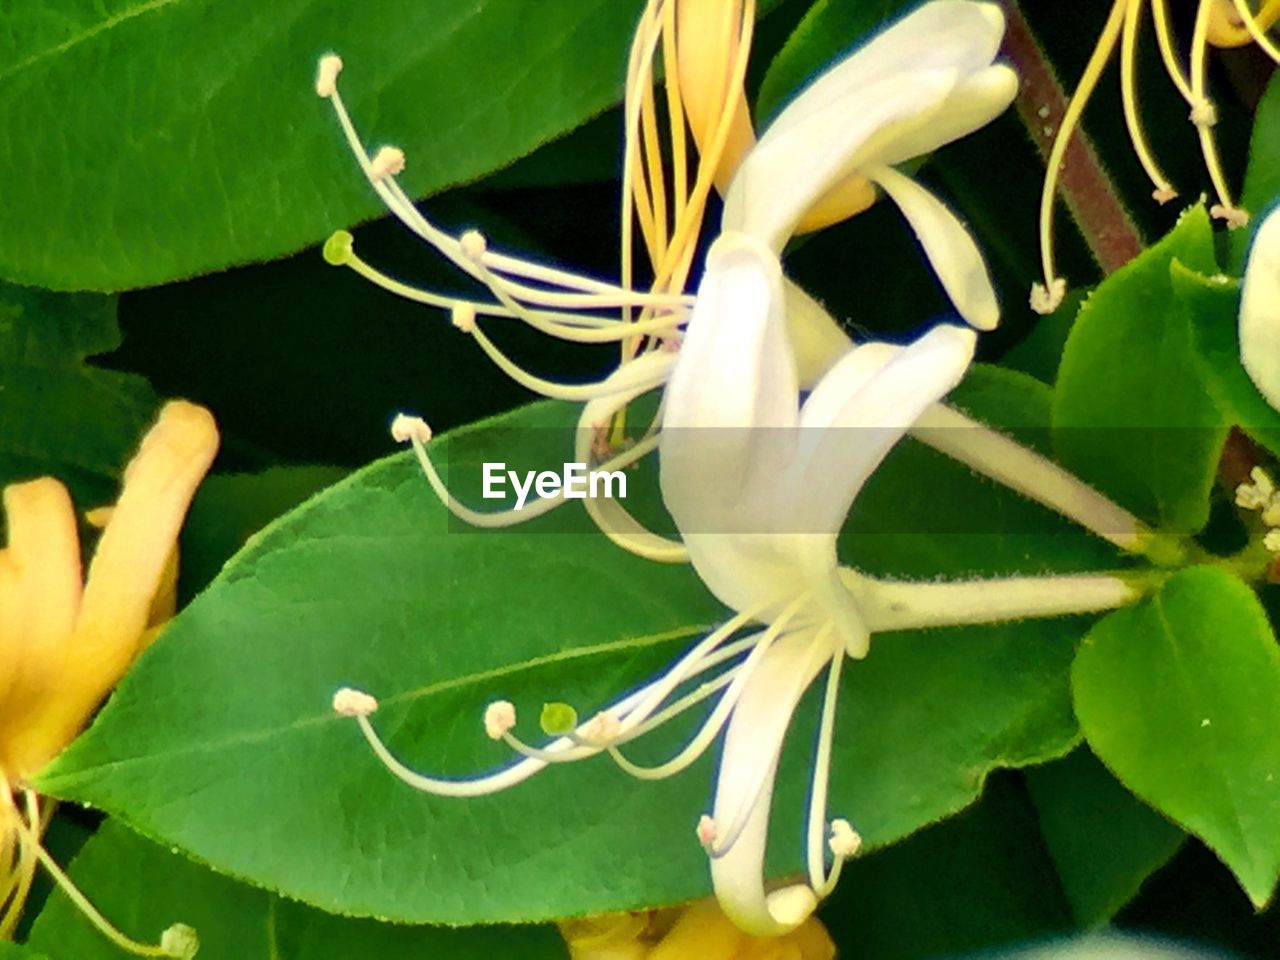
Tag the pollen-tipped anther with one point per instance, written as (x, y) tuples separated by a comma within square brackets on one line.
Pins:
[(327, 75), (845, 841), (463, 316), (1233, 217), (353, 703), (499, 718), (180, 940), (1163, 195), (602, 728), (706, 831), (1258, 493), (1272, 541), (1046, 299), (1204, 113), (405, 428), (387, 162), (473, 244)]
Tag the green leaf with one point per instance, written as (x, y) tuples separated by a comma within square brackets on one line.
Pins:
[(143, 889), (1213, 303), (189, 137), (223, 733), (978, 881), (59, 415), (229, 509), (829, 29), (16, 951), (1131, 410), (1262, 177), (1040, 352), (1180, 698), (1103, 841)]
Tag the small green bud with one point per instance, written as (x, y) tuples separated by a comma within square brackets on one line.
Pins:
[(558, 719), (337, 249), (180, 941)]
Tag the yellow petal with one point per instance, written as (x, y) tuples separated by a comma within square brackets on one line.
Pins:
[(39, 597), (1226, 29), (127, 572), (707, 39), (703, 932)]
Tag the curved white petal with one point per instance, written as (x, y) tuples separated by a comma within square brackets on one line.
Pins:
[(976, 100), (1260, 310), (951, 249), (841, 448), (943, 35), (792, 166), (732, 400), (748, 765)]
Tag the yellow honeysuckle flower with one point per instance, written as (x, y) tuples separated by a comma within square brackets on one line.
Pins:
[(1219, 23), (64, 642), (699, 931)]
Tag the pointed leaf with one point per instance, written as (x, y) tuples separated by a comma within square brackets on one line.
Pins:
[(1180, 698)]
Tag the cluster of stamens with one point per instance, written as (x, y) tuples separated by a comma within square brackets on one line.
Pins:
[(1261, 495), (718, 666)]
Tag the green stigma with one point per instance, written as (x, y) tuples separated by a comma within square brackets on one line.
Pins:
[(558, 719), (337, 249)]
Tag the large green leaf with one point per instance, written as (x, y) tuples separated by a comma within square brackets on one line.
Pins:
[(222, 733), (1131, 409), (144, 889), (1082, 811), (15, 951), (148, 141), (59, 415), (1180, 698)]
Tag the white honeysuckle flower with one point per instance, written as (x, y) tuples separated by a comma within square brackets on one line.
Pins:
[(925, 81), (867, 111), (759, 485), (1260, 310)]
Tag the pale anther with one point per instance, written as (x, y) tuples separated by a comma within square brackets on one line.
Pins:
[(327, 75), (1163, 195), (1204, 113), (387, 162), (1272, 541), (602, 728), (706, 831), (405, 428), (845, 841), (463, 316), (473, 244), (1257, 494), (353, 703), (499, 718), (1045, 300), (1233, 217)]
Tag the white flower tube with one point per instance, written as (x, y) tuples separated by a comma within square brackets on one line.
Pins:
[(1260, 310)]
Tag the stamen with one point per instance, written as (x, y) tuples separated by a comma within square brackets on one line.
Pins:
[(473, 245), (1204, 116), (463, 317), (818, 785), (339, 249), (1272, 541), (387, 162), (1258, 26), (178, 941), (348, 702), (499, 719), (1046, 297), (845, 842), (706, 831), (327, 75), (1163, 191), (405, 428), (1258, 494)]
